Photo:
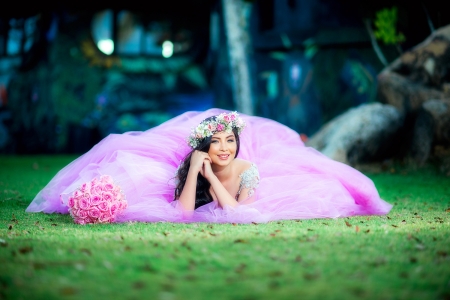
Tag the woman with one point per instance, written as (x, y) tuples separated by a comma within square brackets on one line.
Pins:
[(211, 172), (166, 179)]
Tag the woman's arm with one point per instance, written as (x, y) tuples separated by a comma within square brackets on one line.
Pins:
[(223, 196), (187, 196), (249, 183)]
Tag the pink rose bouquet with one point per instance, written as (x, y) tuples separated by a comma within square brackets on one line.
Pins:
[(97, 201)]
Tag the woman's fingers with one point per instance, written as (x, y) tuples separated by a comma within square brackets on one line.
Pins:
[(201, 160)]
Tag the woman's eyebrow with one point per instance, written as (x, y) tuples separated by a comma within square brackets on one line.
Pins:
[(215, 137)]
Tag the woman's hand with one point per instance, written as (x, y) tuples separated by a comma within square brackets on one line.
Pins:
[(206, 170), (198, 159)]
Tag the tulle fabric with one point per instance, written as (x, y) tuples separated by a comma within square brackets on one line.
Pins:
[(296, 182)]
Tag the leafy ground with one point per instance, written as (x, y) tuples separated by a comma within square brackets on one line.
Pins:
[(404, 255)]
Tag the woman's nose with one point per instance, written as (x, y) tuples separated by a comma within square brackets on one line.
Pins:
[(223, 146)]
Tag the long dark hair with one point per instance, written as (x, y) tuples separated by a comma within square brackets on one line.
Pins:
[(202, 194)]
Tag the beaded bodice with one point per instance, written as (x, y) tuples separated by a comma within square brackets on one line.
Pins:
[(249, 180)]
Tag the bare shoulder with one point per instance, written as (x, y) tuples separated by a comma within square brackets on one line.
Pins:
[(242, 165)]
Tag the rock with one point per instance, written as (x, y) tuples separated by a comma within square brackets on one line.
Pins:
[(360, 134), (432, 127), (418, 75), (407, 96)]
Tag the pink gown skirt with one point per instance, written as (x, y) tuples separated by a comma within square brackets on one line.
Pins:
[(296, 182)]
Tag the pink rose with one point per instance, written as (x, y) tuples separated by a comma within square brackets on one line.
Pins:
[(114, 209), (96, 199), (93, 191), (71, 202), (233, 117), (211, 127), (94, 213), (106, 179), (98, 189), (76, 202), (82, 214), (79, 221), (73, 212), (77, 193), (220, 127), (122, 206), (87, 195), (103, 206), (227, 118), (85, 187), (108, 196), (108, 187), (85, 203), (104, 217)]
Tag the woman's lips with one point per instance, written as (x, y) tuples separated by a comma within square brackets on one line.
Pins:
[(223, 157)]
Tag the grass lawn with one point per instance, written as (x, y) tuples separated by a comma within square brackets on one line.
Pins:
[(404, 255)]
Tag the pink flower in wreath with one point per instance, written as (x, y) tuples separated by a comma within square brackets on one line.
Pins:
[(227, 118), (233, 117), (220, 127), (212, 127)]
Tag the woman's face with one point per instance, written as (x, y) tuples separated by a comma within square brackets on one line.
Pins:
[(223, 148)]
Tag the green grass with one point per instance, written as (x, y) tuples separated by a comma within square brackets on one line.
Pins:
[(404, 255)]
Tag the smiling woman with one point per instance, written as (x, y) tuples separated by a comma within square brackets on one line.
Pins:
[(213, 165), (217, 172)]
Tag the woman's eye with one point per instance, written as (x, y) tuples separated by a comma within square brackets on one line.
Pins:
[(214, 141), (231, 141)]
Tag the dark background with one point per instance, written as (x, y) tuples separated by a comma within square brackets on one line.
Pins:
[(60, 94)]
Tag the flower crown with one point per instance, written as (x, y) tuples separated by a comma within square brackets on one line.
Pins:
[(223, 122)]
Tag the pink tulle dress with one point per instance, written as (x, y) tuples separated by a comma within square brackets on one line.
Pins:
[(296, 182)]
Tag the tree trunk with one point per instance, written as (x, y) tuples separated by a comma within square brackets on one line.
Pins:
[(238, 40)]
